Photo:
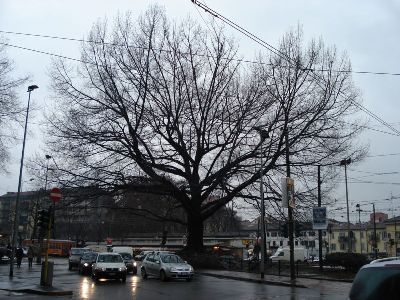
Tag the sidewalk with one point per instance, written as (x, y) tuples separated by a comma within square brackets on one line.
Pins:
[(28, 281), (323, 285)]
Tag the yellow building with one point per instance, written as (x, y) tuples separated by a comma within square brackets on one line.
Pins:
[(361, 238), (393, 236)]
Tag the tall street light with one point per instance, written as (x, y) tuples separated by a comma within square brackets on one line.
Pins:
[(16, 216), (344, 163), (263, 135)]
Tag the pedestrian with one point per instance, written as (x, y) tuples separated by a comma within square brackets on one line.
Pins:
[(19, 253), (30, 255)]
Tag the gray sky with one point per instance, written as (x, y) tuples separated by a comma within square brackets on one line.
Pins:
[(368, 31)]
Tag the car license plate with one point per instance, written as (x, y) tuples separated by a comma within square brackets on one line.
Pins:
[(111, 274)]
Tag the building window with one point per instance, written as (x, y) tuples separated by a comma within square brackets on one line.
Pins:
[(268, 234), (296, 243), (342, 246), (273, 243), (281, 243), (332, 235), (311, 233), (333, 247), (311, 244), (274, 234), (361, 234), (342, 233), (384, 234), (362, 247)]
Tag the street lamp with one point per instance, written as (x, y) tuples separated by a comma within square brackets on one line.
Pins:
[(263, 135), (16, 216), (344, 163)]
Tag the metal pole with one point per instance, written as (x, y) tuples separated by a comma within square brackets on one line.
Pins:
[(262, 266), (319, 231), (16, 216), (290, 210), (375, 241), (348, 214), (395, 236)]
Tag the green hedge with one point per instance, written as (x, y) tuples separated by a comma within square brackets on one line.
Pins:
[(350, 261)]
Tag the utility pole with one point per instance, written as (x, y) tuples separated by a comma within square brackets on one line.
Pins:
[(263, 135), (319, 230), (375, 241), (290, 209), (344, 163)]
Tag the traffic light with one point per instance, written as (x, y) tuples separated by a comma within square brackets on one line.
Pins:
[(164, 238), (298, 229), (43, 220), (285, 229)]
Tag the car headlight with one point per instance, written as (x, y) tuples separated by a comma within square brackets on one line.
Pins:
[(172, 269), (135, 264), (122, 269), (191, 269), (86, 264), (101, 269)]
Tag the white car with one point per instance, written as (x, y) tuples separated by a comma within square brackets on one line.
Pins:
[(109, 265)]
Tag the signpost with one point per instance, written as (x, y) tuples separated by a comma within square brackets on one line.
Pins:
[(47, 276)]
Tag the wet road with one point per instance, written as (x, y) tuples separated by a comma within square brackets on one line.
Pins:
[(202, 287)]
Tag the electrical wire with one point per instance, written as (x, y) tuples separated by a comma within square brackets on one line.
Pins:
[(283, 56)]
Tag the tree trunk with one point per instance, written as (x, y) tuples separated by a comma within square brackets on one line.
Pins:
[(195, 234)]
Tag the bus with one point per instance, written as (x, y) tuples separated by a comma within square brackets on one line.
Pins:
[(56, 247)]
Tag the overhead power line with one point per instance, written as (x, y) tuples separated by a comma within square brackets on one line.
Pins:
[(240, 60), (283, 56)]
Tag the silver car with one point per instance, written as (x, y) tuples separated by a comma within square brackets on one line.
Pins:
[(166, 266)]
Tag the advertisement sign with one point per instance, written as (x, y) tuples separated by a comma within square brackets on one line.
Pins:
[(287, 185), (320, 221)]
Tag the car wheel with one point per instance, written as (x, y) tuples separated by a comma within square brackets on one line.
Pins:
[(69, 267), (144, 274), (163, 276)]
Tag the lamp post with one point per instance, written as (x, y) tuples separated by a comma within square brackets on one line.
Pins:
[(16, 216), (344, 163), (263, 135), (359, 210)]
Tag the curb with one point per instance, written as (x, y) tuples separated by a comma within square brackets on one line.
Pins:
[(280, 283), (39, 292)]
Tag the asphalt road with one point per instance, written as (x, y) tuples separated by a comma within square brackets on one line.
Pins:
[(202, 287)]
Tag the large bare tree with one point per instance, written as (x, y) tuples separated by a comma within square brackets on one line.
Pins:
[(175, 103), (10, 107)]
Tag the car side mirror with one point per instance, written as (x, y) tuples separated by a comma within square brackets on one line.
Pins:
[(185, 261)]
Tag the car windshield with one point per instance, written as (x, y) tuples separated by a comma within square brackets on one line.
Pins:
[(78, 251), (171, 258), (376, 283), (109, 258), (89, 256), (126, 256)]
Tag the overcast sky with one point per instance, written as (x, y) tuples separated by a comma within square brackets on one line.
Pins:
[(368, 31)]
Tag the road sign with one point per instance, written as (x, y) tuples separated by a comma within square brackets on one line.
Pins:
[(55, 195), (320, 221)]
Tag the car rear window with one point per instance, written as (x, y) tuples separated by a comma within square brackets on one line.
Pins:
[(376, 283), (78, 251)]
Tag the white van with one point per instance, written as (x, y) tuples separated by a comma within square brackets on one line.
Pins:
[(122, 249), (284, 254)]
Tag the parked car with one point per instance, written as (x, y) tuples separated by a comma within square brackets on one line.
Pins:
[(131, 265), (75, 255), (86, 262), (109, 265), (166, 266), (377, 280)]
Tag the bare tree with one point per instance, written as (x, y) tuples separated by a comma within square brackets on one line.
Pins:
[(10, 108), (174, 101)]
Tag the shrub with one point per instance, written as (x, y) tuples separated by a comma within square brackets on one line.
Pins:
[(350, 261)]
